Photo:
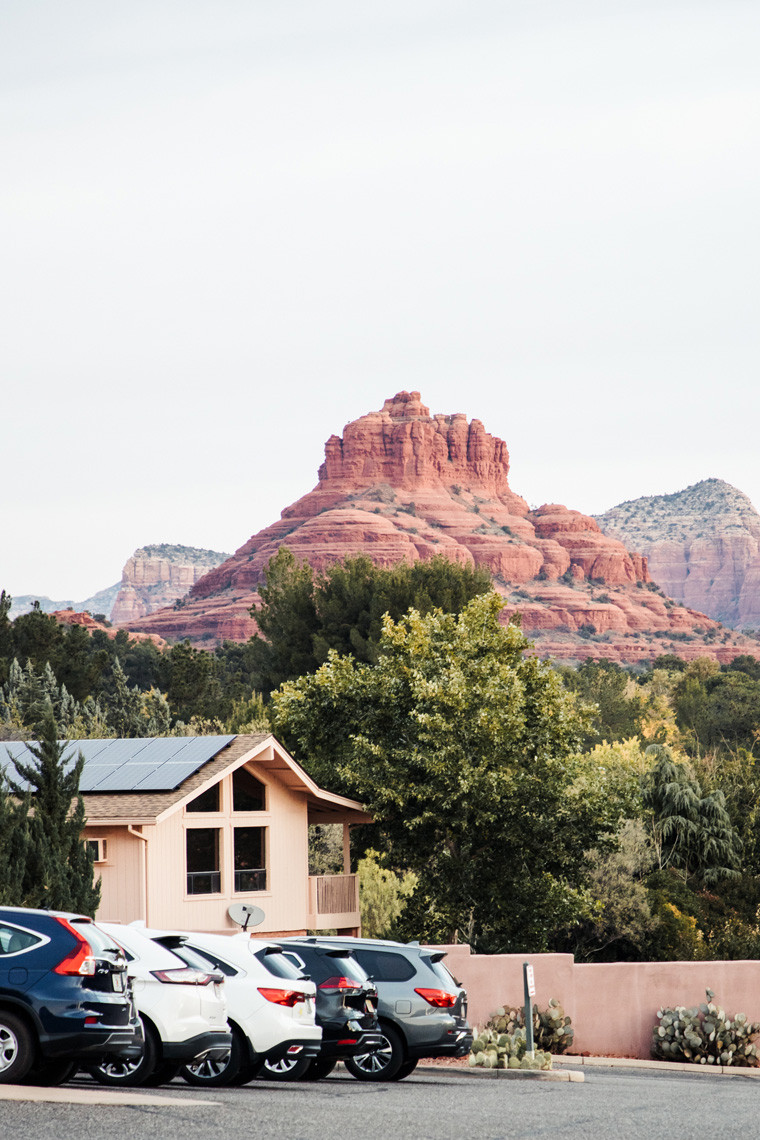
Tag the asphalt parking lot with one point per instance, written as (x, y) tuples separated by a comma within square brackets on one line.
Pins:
[(624, 1104)]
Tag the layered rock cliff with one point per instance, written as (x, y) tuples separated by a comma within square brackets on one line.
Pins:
[(156, 576), (703, 547), (400, 484)]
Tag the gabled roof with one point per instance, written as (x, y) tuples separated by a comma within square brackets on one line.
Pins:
[(262, 748)]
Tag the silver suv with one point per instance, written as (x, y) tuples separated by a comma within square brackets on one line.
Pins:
[(422, 1010)]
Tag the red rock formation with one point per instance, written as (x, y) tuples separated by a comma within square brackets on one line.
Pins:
[(401, 484), (71, 617), (157, 576)]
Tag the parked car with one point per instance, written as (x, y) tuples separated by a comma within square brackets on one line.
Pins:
[(346, 1006), (183, 1010), (422, 1010), (64, 997), (271, 1006)]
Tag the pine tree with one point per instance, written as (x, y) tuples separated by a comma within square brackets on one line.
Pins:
[(58, 868), (14, 846)]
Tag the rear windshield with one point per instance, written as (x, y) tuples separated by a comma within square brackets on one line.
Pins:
[(386, 966), (279, 965), (322, 966), (207, 958), (100, 942), (443, 974)]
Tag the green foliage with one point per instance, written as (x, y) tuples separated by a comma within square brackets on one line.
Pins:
[(703, 1035), (718, 709), (690, 832), (14, 846), (304, 615), (552, 1029), (615, 706), (459, 745), (382, 895), (326, 849), (58, 865)]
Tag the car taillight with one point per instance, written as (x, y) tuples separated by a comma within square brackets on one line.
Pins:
[(282, 997), (439, 998), (185, 976), (79, 960), (340, 984)]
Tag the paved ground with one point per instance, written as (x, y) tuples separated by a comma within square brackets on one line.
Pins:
[(615, 1103)]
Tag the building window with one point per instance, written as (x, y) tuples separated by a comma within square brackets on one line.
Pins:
[(203, 877), (250, 859), (248, 793), (206, 801), (99, 848)]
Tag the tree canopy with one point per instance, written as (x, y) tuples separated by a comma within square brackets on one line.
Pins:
[(458, 743)]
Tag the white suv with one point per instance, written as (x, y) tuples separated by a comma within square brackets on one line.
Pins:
[(271, 1006), (183, 1011)]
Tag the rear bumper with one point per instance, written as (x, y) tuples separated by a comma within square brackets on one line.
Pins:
[(456, 1043), (360, 1043), (122, 1042), (213, 1045), (296, 1047)]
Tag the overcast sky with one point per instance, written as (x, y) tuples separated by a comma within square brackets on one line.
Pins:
[(228, 227)]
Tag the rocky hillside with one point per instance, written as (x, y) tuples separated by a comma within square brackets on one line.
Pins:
[(156, 576), (402, 484), (99, 603), (703, 547)]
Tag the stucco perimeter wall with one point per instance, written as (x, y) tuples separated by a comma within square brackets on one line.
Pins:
[(613, 1006)]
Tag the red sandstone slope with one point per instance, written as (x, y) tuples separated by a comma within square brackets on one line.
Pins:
[(402, 484)]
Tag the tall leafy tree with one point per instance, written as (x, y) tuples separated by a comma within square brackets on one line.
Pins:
[(305, 615), (58, 868), (460, 746), (14, 845)]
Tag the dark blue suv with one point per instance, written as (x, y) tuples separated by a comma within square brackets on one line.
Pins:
[(64, 996)]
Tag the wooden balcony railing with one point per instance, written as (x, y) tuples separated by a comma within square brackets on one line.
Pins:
[(331, 895)]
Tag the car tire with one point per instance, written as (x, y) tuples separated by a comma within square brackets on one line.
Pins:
[(286, 1069), (132, 1073), (17, 1048), (382, 1065), (217, 1074), (407, 1068), (319, 1067), (163, 1075), (50, 1074)]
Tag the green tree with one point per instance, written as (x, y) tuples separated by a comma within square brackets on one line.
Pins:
[(58, 868), (14, 845), (459, 744), (691, 832), (383, 895), (616, 707), (304, 616)]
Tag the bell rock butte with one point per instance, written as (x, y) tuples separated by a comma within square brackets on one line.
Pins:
[(400, 484)]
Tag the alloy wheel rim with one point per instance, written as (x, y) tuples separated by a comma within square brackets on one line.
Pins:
[(284, 1065), (8, 1048), (119, 1070), (377, 1061), (207, 1069)]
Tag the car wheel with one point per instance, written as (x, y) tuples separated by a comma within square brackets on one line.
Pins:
[(50, 1074), (163, 1075), (129, 1073), (320, 1067), (286, 1069), (407, 1068), (217, 1074), (16, 1048), (382, 1065)]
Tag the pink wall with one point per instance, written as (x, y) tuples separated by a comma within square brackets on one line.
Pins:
[(613, 1006)]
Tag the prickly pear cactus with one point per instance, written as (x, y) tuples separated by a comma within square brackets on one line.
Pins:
[(552, 1030), (493, 1049), (703, 1035)]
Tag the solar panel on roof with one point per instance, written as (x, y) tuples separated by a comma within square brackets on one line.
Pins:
[(157, 764)]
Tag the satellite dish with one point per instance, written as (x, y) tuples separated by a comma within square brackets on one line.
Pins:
[(245, 914)]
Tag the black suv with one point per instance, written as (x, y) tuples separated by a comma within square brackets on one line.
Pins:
[(345, 1007), (64, 996), (422, 1009)]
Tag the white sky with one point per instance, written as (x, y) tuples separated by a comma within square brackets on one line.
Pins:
[(227, 227)]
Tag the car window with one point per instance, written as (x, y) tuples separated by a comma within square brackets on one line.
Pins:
[(190, 956), (386, 966), (100, 942), (323, 966), (210, 959), (13, 940), (442, 974), (280, 964)]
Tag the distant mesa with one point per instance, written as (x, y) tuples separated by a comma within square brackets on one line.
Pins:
[(402, 485), (702, 545), (157, 576)]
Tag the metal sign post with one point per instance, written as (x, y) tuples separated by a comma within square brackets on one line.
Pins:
[(530, 992)]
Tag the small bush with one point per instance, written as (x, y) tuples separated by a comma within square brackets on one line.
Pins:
[(704, 1035), (494, 1050), (552, 1030)]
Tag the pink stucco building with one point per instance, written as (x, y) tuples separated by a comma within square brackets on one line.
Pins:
[(235, 830)]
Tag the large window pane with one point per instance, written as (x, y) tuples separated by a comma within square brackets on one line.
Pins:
[(250, 859), (248, 793), (203, 877), (206, 801)]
